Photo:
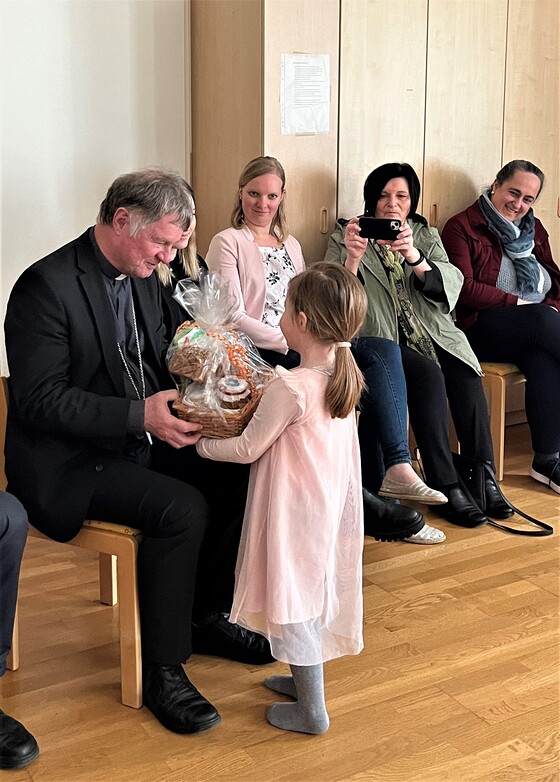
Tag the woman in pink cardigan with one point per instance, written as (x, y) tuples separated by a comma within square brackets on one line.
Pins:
[(257, 258)]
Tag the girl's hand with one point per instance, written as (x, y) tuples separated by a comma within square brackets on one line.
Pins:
[(356, 245)]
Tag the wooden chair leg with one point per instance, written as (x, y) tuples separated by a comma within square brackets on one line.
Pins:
[(129, 619), (12, 663), (108, 592), (495, 388), (125, 549)]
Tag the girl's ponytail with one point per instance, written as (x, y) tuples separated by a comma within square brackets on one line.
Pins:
[(345, 385)]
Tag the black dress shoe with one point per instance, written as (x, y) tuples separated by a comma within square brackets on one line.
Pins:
[(175, 701), (222, 638), (18, 748), (496, 506), (389, 521), (460, 509)]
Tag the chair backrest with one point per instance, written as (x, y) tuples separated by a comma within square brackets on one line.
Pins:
[(3, 419)]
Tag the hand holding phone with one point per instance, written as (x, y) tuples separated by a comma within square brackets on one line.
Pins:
[(379, 228)]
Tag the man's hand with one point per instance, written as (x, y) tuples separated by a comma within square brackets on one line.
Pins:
[(159, 421)]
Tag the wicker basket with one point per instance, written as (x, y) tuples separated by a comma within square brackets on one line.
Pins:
[(222, 423)]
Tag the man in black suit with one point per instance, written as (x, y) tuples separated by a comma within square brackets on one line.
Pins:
[(91, 434)]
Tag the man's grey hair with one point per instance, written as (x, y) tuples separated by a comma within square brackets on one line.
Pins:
[(149, 195)]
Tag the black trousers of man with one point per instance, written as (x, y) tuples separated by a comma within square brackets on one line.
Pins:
[(190, 513)]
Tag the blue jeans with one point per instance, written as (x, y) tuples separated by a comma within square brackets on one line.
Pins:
[(382, 428)]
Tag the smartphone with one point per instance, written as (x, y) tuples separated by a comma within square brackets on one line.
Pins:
[(378, 227)]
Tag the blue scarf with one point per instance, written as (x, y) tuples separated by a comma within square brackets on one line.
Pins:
[(518, 240)]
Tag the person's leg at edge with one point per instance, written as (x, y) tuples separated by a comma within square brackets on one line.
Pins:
[(309, 713), (18, 748), (173, 518)]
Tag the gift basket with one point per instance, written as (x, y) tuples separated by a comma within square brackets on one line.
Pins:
[(220, 374)]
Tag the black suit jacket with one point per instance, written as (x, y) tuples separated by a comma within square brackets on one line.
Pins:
[(68, 413)]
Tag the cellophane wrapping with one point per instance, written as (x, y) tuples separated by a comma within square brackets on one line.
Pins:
[(210, 358)]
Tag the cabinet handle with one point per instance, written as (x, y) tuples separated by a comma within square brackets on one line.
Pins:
[(433, 216), (324, 221), (558, 207)]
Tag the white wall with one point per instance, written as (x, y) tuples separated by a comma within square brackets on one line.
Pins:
[(90, 89)]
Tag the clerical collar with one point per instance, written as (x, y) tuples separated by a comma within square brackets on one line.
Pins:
[(107, 268)]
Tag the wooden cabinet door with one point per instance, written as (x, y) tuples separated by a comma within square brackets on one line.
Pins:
[(464, 103), (382, 86), (309, 160), (532, 119)]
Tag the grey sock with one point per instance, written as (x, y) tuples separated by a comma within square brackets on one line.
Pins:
[(309, 713), (283, 684)]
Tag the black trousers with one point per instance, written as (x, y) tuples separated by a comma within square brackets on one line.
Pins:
[(428, 390), (13, 534), (529, 336), (189, 545)]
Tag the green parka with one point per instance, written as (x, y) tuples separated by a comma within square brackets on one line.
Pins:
[(435, 316)]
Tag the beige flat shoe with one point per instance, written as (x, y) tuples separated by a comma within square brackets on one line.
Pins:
[(413, 492)]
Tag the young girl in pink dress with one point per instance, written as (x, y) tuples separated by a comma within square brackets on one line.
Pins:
[(299, 569)]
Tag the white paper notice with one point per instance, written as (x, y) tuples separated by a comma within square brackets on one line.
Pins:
[(305, 93)]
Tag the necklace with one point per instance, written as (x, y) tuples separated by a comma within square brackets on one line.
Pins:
[(127, 368), (139, 352)]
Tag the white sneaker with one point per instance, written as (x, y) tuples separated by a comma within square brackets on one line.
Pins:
[(549, 474)]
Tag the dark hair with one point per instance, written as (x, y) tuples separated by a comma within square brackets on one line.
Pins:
[(379, 177), (335, 304), (258, 167), (149, 195), (511, 168)]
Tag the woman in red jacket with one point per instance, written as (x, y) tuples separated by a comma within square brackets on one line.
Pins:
[(506, 259)]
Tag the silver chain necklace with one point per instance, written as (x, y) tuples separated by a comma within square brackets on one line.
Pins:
[(139, 352)]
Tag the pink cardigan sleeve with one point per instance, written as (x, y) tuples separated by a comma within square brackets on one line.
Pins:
[(238, 262)]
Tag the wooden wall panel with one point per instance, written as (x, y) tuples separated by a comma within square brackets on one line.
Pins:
[(382, 91), (532, 118)]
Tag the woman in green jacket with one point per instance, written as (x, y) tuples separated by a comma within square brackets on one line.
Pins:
[(412, 290)]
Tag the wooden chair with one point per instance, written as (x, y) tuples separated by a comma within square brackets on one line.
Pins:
[(117, 546), (496, 381)]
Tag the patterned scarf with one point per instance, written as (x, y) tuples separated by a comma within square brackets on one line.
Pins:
[(517, 242), (414, 332)]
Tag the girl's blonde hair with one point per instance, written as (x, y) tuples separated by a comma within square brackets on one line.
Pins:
[(189, 262), (187, 256), (335, 304), (258, 167)]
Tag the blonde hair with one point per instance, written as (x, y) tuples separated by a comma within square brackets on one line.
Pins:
[(335, 304), (260, 166), (189, 262), (187, 256)]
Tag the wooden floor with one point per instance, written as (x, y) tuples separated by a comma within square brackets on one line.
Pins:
[(458, 682)]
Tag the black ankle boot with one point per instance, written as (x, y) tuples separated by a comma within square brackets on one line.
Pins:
[(387, 521), (461, 509)]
